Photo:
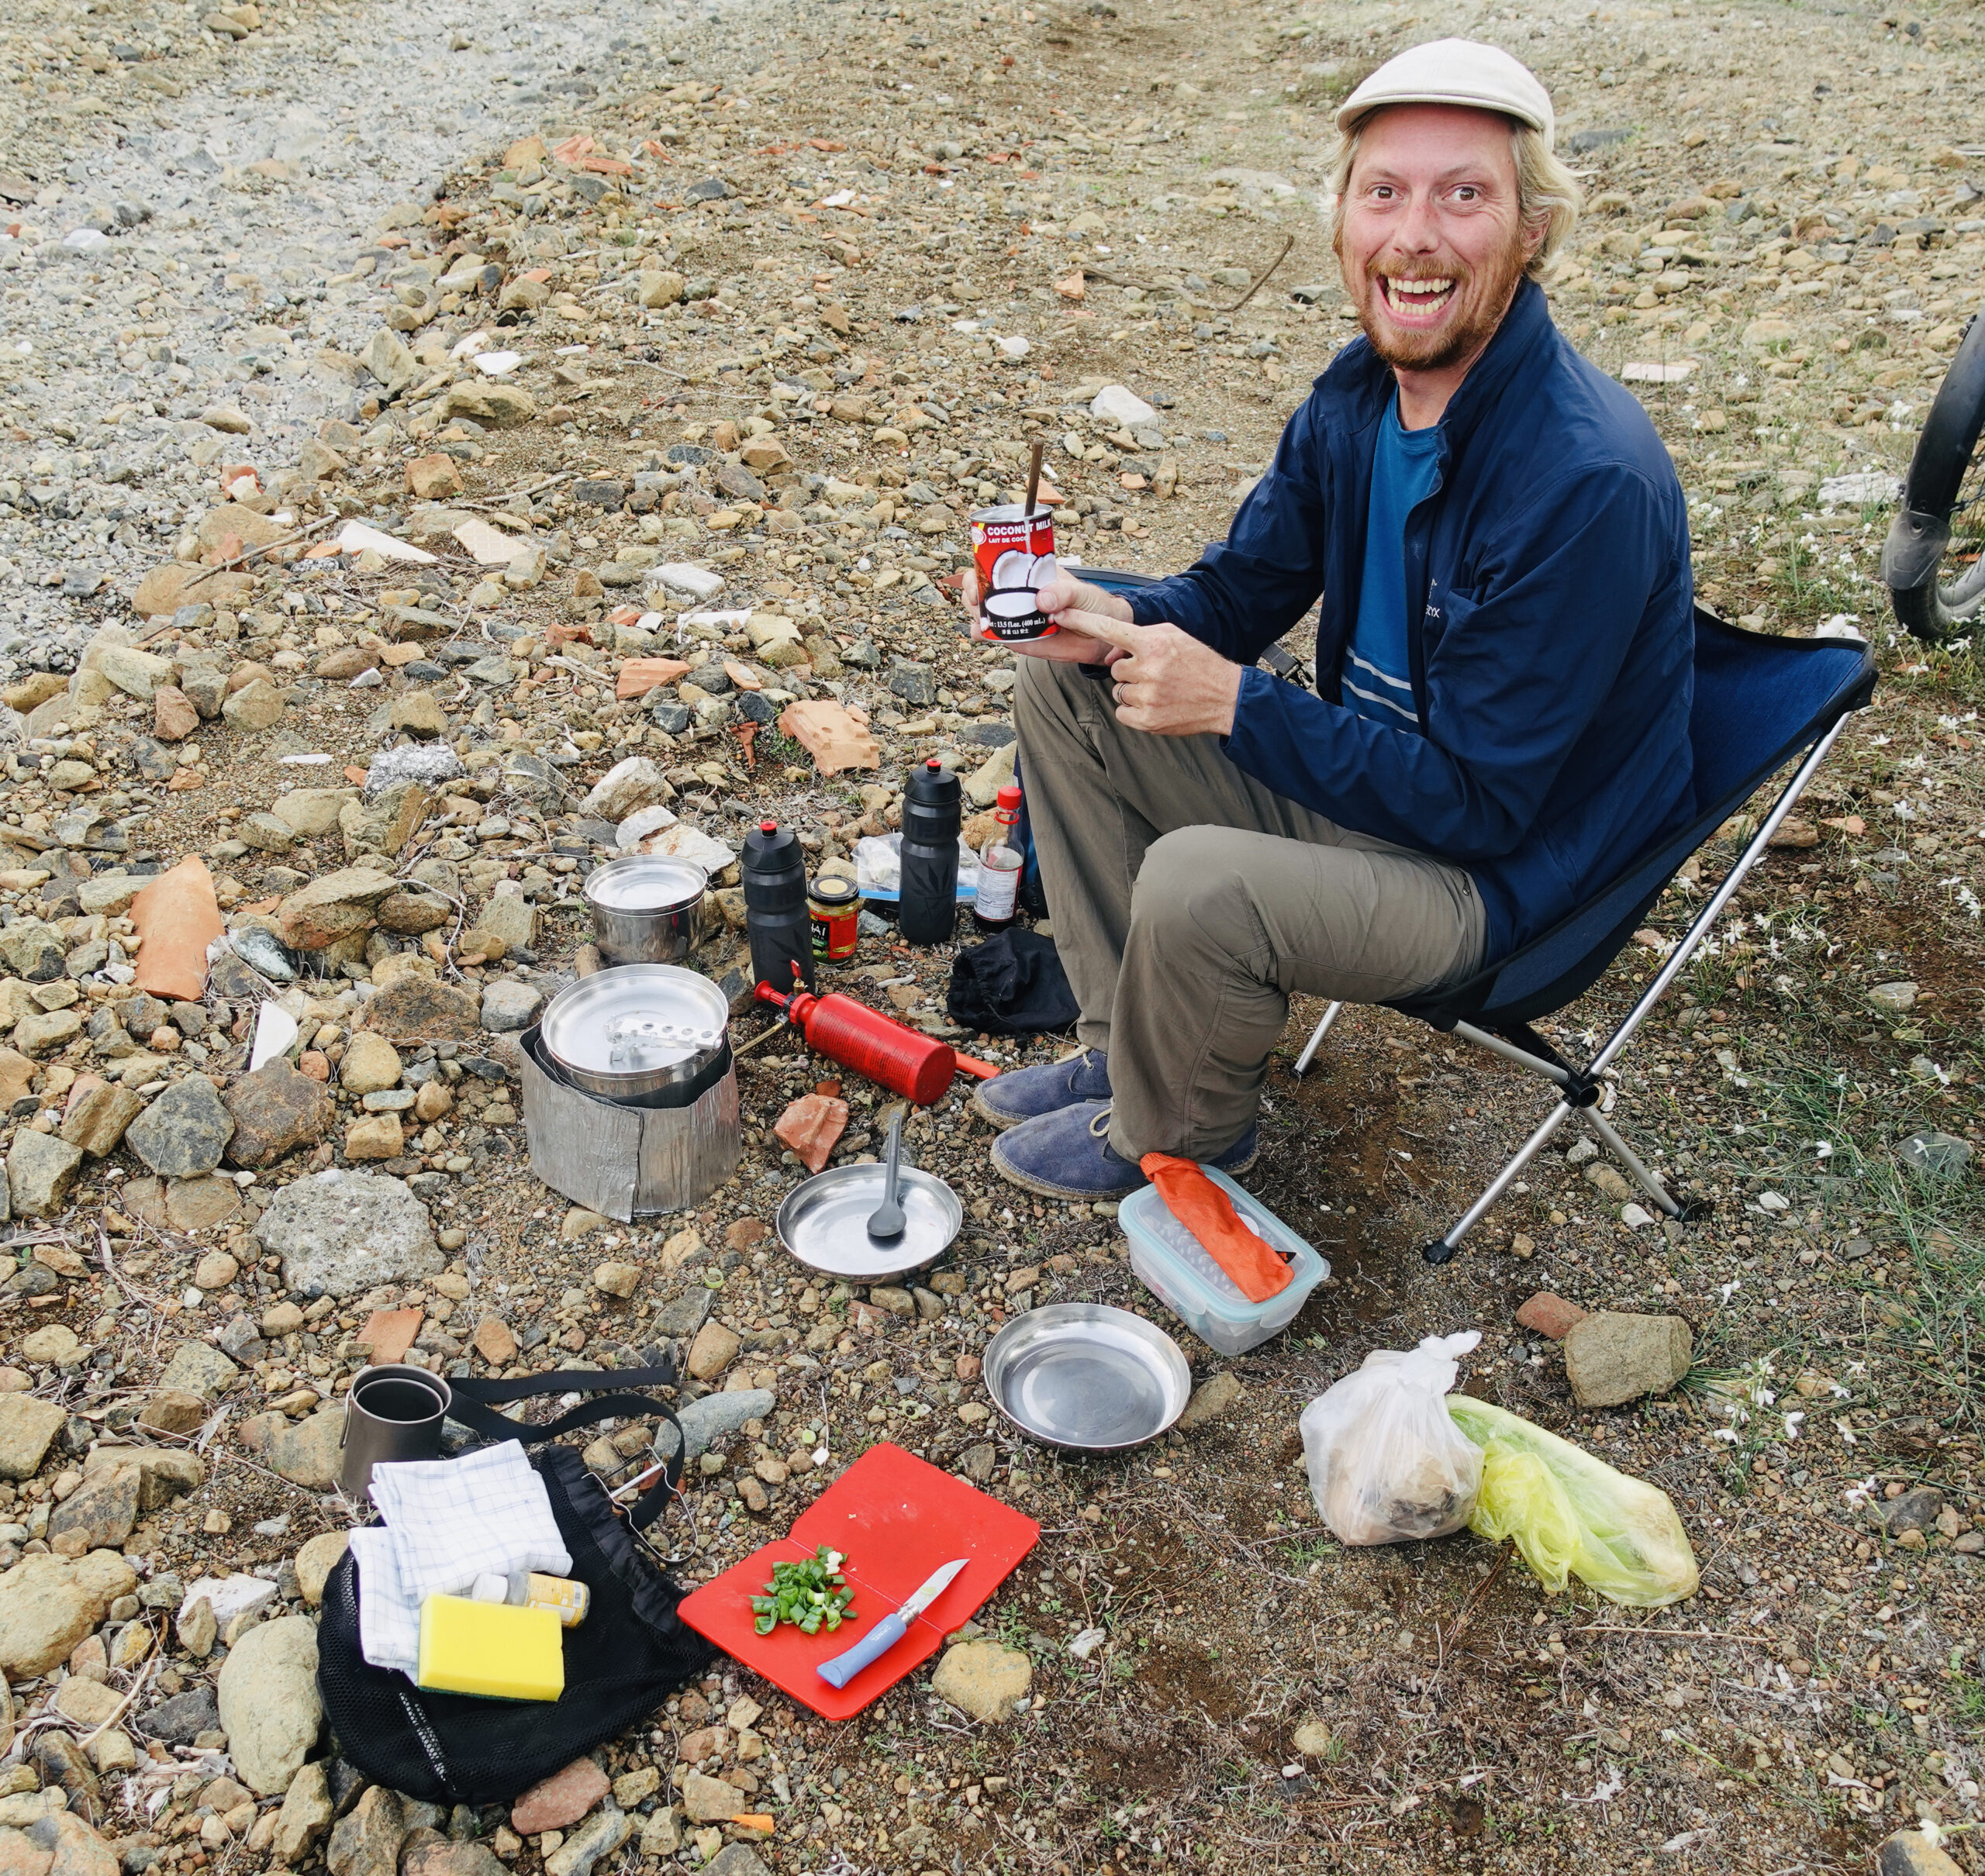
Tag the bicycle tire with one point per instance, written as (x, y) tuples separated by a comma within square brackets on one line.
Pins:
[(1946, 476)]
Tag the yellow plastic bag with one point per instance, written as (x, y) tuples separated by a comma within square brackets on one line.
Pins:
[(1567, 1512)]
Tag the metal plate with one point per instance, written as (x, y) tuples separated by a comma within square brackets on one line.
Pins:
[(636, 1028), (1086, 1377), (824, 1223), (646, 882)]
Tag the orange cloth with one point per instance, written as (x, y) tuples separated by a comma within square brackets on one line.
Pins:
[(1209, 1214)]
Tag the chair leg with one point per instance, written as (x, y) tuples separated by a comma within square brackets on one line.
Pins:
[(1310, 1047), (1443, 1248), (1628, 1158)]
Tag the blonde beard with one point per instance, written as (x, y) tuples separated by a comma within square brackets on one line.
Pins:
[(1465, 340)]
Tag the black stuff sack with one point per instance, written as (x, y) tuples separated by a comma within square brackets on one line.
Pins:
[(1013, 984), (630, 1652)]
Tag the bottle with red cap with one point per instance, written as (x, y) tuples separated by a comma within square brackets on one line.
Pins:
[(774, 870), (931, 814), (1000, 862)]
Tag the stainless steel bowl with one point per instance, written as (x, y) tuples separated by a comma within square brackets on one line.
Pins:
[(648, 908), (1086, 1377), (636, 1029), (824, 1222)]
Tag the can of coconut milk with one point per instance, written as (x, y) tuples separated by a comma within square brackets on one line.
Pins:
[(1014, 552)]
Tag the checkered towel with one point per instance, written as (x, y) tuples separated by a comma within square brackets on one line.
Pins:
[(448, 1522)]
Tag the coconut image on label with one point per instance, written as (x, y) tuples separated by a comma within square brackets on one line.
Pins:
[(1017, 579), (1014, 551)]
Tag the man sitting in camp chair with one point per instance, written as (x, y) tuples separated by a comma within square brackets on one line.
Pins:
[(1504, 664)]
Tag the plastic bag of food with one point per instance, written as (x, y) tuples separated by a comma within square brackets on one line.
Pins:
[(1567, 1512), (1386, 1464)]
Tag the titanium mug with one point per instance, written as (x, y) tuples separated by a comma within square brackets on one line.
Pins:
[(392, 1413)]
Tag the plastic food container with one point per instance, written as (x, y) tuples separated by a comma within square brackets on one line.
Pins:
[(1176, 1267)]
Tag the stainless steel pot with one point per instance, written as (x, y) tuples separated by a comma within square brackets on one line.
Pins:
[(648, 908), (636, 1030)]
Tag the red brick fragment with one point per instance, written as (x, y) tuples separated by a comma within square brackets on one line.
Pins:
[(811, 1126), (1550, 1316)]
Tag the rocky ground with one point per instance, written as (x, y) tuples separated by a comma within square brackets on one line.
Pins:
[(787, 291)]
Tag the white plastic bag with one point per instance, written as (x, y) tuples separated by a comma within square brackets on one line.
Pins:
[(1387, 1465)]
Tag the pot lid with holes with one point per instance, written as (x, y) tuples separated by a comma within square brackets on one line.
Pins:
[(634, 1020)]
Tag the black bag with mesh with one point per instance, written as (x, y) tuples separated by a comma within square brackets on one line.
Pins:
[(621, 1662)]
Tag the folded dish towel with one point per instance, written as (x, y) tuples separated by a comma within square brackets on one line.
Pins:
[(448, 1522), (1209, 1214)]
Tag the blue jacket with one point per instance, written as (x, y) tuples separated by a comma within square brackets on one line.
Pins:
[(1550, 624)]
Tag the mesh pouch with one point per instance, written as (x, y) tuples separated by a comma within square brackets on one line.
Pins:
[(621, 1662)]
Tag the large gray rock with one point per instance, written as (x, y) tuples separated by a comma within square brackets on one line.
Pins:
[(340, 1232), (306, 1815), (1943, 1157), (274, 1110), (367, 1842), (1613, 1357), (198, 1367), (597, 1837), (48, 1603), (182, 1720), (309, 1452), (183, 1132), (40, 1170), (508, 1006), (34, 950), (428, 764), (632, 784), (715, 1415), (26, 1426), (268, 1702)]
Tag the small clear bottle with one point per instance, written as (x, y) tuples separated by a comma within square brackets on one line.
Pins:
[(998, 903)]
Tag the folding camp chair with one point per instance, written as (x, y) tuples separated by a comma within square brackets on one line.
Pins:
[(1759, 702)]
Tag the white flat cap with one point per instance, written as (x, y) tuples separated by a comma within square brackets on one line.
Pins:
[(1458, 72)]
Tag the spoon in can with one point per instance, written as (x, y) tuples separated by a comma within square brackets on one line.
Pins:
[(886, 1221)]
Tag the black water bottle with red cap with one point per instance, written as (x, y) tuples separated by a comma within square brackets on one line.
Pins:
[(775, 920), (931, 813)]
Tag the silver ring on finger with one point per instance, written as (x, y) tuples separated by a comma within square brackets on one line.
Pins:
[(1117, 694)]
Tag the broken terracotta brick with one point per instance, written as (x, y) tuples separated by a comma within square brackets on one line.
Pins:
[(177, 917), (1550, 1316), (811, 1126), (639, 676), (389, 1333), (832, 737)]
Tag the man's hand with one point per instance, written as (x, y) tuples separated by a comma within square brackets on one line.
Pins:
[(1164, 682), (1063, 599)]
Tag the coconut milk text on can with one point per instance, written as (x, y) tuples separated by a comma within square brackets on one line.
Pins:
[(1014, 552)]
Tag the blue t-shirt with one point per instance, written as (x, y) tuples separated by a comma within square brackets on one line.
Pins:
[(1377, 676)]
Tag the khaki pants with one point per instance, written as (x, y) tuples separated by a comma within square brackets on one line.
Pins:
[(1190, 902)]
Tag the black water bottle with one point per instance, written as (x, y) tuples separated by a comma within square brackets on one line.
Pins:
[(929, 912), (775, 920)]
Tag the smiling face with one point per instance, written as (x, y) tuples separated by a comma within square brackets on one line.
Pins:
[(1430, 241)]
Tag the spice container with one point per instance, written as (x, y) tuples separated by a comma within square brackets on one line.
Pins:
[(1177, 1269), (647, 908), (833, 904)]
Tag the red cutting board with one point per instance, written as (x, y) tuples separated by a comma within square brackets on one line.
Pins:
[(896, 1518)]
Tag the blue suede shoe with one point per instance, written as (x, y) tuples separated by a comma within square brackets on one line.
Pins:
[(1008, 1099), (1067, 1154)]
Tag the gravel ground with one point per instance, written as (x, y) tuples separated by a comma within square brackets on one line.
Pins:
[(792, 292)]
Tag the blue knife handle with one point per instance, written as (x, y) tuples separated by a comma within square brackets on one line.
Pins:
[(878, 1641)]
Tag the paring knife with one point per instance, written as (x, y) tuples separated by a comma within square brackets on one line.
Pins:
[(890, 1630)]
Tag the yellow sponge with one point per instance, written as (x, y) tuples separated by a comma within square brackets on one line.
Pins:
[(491, 1649)]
